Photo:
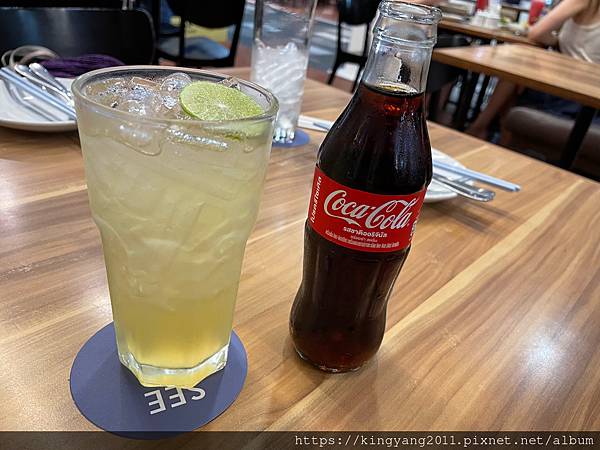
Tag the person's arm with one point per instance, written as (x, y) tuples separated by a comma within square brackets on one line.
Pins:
[(542, 31)]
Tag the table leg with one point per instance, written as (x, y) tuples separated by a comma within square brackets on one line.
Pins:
[(466, 95), (484, 85), (156, 16), (576, 137), (155, 6)]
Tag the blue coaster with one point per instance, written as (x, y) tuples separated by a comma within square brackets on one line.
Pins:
[(300, 138), (110, 396)]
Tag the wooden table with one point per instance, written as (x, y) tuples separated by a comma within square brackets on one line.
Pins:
[(488, 34), (539, 69), (493, 323)]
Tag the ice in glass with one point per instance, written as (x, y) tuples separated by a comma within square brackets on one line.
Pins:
[(282, 33)]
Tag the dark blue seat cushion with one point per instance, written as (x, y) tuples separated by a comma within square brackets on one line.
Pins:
[(195, 48)]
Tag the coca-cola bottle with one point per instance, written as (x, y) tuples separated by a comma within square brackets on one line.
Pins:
[(372, 172)]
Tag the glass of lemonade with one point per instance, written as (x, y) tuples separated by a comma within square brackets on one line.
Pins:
[(175, 161)]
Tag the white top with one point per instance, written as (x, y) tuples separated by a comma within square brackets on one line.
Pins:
[(580, 41)]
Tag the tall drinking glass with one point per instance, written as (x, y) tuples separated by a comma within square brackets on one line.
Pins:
[(175, 201), (282, 31)]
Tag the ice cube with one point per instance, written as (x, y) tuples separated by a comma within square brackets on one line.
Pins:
[(142, 98), (290, 47), (171, 108), (170, 102), (170, 87), (108, 92), (140, 137), (143, 83), (142, 92), (132, 106), (174, 83), (135, 134), (231, 82)]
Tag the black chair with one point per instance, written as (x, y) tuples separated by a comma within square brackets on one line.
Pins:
[(441, 75), (161, 14), (115, 4), (353, 12), (544, 136), (202, 51), (124, 34)]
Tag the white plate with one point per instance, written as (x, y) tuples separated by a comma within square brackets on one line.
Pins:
[(14, 115), (436, 192)]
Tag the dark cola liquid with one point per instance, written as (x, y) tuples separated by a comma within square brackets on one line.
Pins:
[(379, 144)]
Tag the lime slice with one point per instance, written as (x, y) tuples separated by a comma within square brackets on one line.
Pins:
[(212, 101)]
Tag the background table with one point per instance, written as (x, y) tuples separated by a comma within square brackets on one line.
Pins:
[(485, 33), (493, 323), (539, 69)]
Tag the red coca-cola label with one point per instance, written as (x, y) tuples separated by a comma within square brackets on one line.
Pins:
[(362, 220)]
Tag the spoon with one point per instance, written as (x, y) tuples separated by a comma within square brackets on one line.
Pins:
[(43, 73)]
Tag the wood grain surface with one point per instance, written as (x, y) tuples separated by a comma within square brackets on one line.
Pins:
[(532, 67), (492, 325), (484, 32)]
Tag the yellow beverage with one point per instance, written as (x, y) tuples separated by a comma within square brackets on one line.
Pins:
[(174, 202)]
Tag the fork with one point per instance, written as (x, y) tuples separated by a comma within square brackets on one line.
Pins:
[(24, 100)]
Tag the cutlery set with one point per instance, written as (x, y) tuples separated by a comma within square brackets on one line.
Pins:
[(34, 81)]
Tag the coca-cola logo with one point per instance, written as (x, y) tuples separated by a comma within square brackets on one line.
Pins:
[(393, 214), (362, 220)]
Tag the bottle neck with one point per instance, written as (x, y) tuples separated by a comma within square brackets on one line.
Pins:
[(403, 38), (398, 67)]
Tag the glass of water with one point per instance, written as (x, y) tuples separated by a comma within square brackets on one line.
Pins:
[(282, 31)]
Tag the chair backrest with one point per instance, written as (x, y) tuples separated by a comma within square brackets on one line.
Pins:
[(357, 12), (125, 34), (63, 3), (209, 14)]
